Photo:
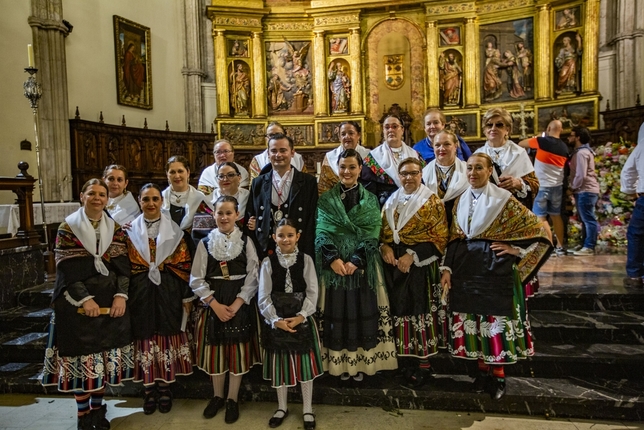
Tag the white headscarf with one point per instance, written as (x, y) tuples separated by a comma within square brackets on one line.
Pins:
[(418, 199), (457, 184), (195, 197), (384, 157), (511, 158), (82, 228), (489, 205)]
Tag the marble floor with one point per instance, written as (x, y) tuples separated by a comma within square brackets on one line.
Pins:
[(31, 412)]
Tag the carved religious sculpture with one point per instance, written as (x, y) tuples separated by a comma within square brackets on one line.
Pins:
[(451, 78), (568, 66), (340, 86), (239, 89)]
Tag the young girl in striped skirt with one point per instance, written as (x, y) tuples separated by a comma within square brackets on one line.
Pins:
[(224, 276), (287, 298)]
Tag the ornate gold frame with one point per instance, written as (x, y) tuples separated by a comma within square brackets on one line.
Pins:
[(126, 33)]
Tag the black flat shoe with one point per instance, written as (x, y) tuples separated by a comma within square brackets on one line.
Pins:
[(165, 402), (276, 422), (213, 407), (150, 403), (481, 383), (498, 390), (232, 411), (308, 425), (420, 378), (85, 423), (98, 418)]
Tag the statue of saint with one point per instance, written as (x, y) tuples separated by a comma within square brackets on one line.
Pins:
[(340, 85), (450, 79), (239, 89), (567, 63)]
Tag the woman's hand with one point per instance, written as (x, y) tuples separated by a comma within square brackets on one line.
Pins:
[(405, 262), (118, 307), (283, 325), (294, 321), (388, 255), (252, 223), (91, 308), (501, 248), (446, 284), (349, 268), (510, 183), (338, 267), (236, 305), (223, 312)]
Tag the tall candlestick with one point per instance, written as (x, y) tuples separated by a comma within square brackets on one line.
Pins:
[(30, 54)]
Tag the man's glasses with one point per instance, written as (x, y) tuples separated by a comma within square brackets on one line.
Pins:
[(227, 176), (223, 152), (412, 174), (497, 124)]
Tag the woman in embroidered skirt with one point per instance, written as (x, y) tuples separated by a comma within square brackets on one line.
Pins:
[(496, 245), (288, 291), (414, 234), (121, 206), (224, 276), (160, 300), (357, 335), (89, 334)]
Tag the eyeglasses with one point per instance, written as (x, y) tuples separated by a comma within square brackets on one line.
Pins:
[(224, 152), (392, 127), (497, 124), (227, 176), (409, 174)]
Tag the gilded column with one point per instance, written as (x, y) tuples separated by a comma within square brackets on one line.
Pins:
[(589, 83), (221, 74), (542, 62), (470, 69), (259, 77), (433, 85), (356, 71), (320, 101)]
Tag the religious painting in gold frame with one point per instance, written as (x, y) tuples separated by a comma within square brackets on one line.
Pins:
[(465, 125), (571, 113), (302, 134), (133, 60), (567, 18), (338, 45), (450, 36), (243, 134), (289, 81), (237, 47), (394, 71)]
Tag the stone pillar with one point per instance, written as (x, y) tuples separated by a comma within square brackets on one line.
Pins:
[(470, 69), (629, 48), (221, 76), (356, 71), (543, 64), (320, 93), (49, 34), (209, 94), (259, 77), (433, 84), (589, 60), (192, 71)]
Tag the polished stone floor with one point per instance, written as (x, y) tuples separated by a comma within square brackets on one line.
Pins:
[(58, 413)]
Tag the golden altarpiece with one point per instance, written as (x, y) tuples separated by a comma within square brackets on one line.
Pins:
[(313, 64)]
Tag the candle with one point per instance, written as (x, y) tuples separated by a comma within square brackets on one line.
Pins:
[(318, 167), (30, 55)]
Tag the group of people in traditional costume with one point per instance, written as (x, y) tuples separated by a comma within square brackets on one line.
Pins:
[(393, 254)]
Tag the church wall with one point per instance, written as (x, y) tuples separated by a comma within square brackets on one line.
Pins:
[(90, 61), (16, 121)]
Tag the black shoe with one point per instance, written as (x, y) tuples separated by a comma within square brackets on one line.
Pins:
[(633, 282), (213, 407), (276, 422), (98, 418), (308, 425), (165, 402), (85, 422), (481, 383), (419, 378), (232, 411), (150, 402), (498, 389)]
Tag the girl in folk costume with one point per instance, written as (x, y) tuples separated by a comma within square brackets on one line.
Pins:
[(288, 292), (513, 171), (224, 276), (354, 309), (160, 300), (121, 205), (414, 234), (350, 133), (181, 200), (496, 245), (446, 174), (380, 171), (89, 333), (228, 184)]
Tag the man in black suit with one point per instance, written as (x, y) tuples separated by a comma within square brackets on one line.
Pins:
[(282, 191)]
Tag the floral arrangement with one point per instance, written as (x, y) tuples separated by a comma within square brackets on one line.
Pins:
[(613, 209)]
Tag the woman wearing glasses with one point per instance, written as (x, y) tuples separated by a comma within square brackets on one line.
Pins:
[(228, 184), (261, 160), (413, 236), (354, 310), (496, 245), (380, 171), (445, 175), (224, 153), (350, 133)]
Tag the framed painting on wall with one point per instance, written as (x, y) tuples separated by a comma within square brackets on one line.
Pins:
[(571, 114), (132, 53), (243, 134), (465, 125)]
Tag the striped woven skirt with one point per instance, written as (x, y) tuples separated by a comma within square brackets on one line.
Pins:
[(86, 373), (236, 358), (286, 368)]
